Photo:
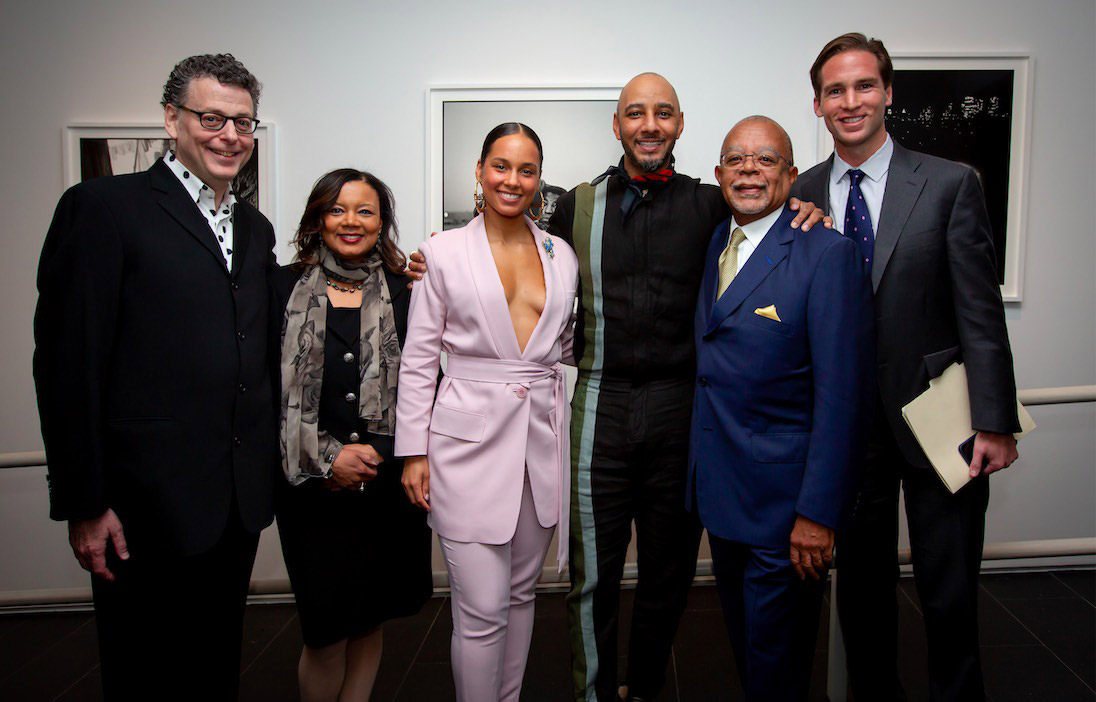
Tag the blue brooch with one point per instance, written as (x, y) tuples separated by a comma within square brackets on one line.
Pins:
[(549, 247)]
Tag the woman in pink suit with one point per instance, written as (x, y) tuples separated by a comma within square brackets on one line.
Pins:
[(488, 459)]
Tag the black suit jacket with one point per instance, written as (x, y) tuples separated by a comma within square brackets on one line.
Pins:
[(150, 363), (937, 299)]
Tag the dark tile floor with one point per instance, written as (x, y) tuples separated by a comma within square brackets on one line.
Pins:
[(1038, 643)]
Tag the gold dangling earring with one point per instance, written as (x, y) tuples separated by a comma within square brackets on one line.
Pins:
[(477, 198), (540, 210)]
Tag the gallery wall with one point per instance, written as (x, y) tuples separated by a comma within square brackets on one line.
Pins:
[(345, 84)]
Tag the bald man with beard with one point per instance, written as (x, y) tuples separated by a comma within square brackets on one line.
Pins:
[(640, 230)]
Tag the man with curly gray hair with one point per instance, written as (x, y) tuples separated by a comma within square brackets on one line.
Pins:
[(224, 67), (154, 392)]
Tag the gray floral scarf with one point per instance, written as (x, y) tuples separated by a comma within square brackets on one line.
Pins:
[(307, 451)]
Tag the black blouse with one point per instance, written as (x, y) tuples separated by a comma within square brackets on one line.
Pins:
[(341, 382)]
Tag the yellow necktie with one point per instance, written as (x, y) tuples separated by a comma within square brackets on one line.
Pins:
[(728, 261)]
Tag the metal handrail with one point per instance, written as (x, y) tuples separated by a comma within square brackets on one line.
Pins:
[(1030, 398), (999, 551), (1057, 396), (22, 459)]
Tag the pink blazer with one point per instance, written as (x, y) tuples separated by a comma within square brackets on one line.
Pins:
[(497, 411)]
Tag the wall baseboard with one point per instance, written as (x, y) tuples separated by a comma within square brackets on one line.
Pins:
[(1050, 554)]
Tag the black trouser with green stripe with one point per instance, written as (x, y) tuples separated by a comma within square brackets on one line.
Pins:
[(629, 446)]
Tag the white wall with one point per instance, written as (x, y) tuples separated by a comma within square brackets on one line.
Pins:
[(345, 84)]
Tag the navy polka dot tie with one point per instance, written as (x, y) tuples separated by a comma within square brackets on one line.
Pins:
[(857, 220)]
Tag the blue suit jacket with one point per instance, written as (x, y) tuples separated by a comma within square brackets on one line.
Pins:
[(780, 412)]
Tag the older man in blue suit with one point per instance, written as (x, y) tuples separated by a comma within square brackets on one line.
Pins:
[(784, 354)]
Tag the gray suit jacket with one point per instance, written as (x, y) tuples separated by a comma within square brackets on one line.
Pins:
[(937, 298)]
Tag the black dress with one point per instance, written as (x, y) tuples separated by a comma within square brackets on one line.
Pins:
[(354, 558)]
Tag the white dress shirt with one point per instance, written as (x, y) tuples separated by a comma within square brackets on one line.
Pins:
[(219, 218), (872, 185), (755, 231)]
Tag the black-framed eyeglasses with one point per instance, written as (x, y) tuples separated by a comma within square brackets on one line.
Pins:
[(762, 159), (215, 121)]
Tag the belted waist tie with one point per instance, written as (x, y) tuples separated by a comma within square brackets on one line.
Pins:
[(505, 371)]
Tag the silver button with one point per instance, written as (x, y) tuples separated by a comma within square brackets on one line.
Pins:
[(348, 357), (330, 458), (350, 397), (354, 437)]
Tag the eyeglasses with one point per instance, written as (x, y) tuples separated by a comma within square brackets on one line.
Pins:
[(215, 121), (762, 159)]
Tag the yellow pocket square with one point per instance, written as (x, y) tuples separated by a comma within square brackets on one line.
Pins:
[(769, 312)]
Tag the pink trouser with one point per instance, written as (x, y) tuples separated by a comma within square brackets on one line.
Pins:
[(493, 592)]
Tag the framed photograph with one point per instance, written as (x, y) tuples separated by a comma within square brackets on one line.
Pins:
[(974, 109), (93, 150), (575, 126)]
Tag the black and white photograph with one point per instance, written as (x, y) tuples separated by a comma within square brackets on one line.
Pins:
[(95, 151), (575, 128), (104, 157)]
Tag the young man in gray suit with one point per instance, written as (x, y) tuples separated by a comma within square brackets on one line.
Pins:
[(925, 241)]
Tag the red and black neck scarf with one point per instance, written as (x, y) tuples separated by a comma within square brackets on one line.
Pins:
[(642, 186), (658, 177)]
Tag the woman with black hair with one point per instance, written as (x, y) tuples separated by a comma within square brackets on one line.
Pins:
[(488, 457), (357, 553)]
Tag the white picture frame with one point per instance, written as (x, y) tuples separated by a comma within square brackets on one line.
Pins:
[(1010, 207)]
